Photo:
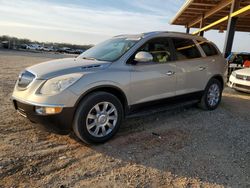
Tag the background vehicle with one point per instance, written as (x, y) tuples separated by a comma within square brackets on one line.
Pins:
[(237, 61), (121, 77), (23, 46), (34, 47), (240, 80), (79, 51), (48, 49), (240, 59), (63, 50), (70, 51)]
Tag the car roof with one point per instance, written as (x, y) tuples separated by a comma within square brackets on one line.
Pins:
[(158, 33)]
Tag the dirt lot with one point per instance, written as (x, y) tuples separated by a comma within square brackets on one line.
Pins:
[(191, 147)]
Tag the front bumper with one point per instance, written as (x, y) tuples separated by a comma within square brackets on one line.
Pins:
[(61, 121), (238, 84)]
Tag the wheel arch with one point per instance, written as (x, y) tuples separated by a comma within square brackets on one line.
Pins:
[(109, 89), (219, 78)]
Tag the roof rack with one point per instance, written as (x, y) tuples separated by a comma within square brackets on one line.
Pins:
[(173, 32), (159, 32)]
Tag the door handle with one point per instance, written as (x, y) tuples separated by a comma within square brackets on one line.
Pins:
[(170, 73), (202, 68)]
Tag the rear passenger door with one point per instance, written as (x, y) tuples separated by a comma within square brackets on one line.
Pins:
[(213, 57), (191, 69)]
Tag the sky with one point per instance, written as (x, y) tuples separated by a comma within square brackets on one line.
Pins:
[(92, 21)]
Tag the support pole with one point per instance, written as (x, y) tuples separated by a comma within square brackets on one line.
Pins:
[(201, 26), (187, 30), (232, 21)]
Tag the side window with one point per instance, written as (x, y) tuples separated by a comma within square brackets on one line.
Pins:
[(159, 49), (208, 48), (185, 49)]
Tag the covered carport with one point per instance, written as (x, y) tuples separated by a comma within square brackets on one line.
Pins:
[(222, 15)]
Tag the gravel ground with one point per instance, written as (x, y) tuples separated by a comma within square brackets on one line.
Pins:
[(188, 148)]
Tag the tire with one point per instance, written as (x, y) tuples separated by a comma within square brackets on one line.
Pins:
[(99, 109), (205, 102)]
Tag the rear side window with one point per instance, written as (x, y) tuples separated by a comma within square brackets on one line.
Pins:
[(208, 48), (185, 49)]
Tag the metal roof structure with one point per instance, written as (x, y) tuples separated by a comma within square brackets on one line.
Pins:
[(229, 15), (194, 11)]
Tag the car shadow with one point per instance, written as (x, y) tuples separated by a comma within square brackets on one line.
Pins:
[(211, 146)]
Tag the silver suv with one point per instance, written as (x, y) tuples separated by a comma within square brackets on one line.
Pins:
[(121, 77)]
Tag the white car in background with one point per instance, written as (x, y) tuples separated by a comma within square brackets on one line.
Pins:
[(34, 47), (240, 80), (48, 49)]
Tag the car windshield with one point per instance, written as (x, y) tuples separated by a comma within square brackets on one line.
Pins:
[(110, 50)]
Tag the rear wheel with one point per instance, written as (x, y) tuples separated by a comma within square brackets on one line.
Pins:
[(212, 95), (98, 117)]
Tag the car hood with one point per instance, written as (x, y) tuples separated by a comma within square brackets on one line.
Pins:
[(59, 67), (245, 72)]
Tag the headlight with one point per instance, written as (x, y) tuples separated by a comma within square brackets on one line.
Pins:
[(233, 74), (56, 85)]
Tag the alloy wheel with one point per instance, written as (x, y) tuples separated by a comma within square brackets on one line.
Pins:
[(213, 95), (101, 119)]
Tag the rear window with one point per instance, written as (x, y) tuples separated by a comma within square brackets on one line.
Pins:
[(208, 48), (185, 49)]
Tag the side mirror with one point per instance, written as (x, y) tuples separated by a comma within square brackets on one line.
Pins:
[(143, 57)]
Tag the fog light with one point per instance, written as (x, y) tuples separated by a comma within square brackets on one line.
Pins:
[(47, 110)]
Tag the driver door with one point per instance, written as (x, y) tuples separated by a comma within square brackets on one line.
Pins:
[(153, 80)]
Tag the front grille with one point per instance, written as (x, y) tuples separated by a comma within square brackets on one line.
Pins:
[(25, 79), (242, 86), (243, 77)]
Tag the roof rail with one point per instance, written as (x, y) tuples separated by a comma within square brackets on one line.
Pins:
[(159, 32)]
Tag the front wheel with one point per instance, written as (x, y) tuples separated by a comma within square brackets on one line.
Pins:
[(212, 95), (98, 117)]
